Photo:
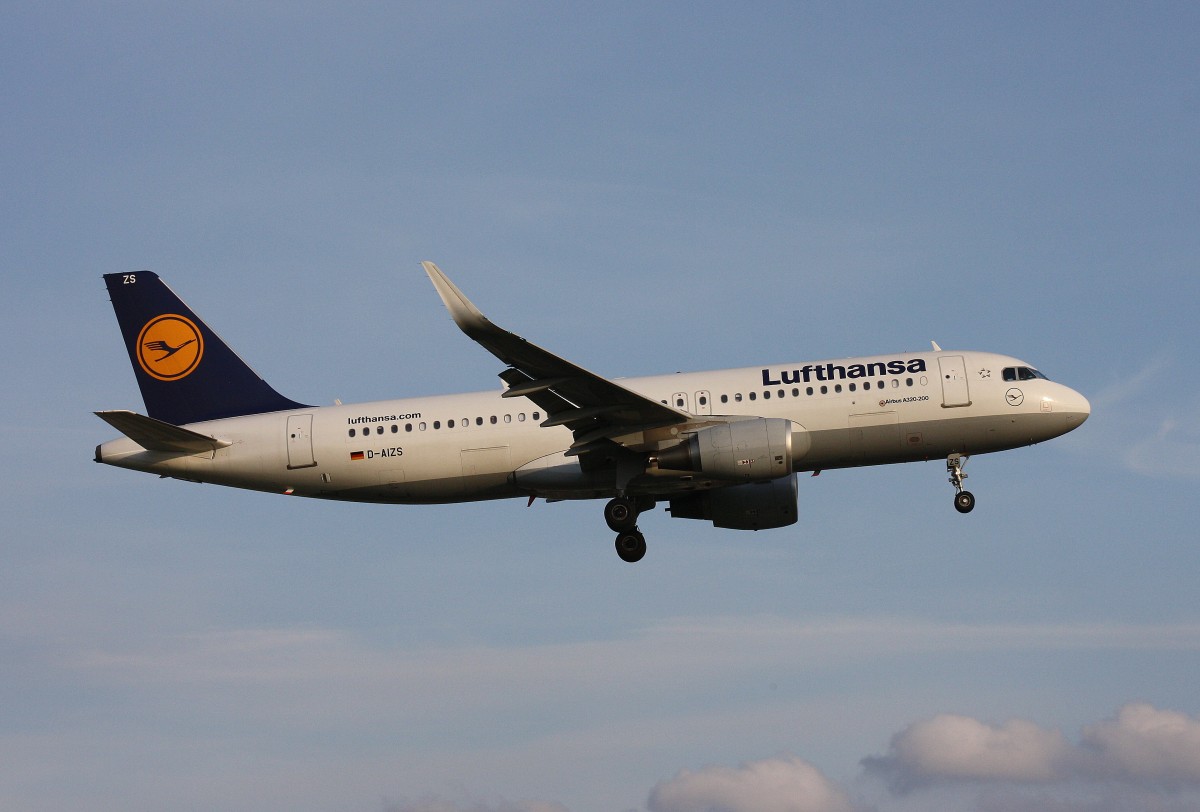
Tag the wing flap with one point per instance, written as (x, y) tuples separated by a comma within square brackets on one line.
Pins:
[(156, 435), (532, 387)]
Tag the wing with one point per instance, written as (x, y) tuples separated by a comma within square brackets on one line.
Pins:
[(598, 411)]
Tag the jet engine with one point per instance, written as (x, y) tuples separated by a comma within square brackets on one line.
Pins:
[(754, 450), (749, 506)]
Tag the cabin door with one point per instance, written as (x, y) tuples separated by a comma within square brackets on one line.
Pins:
[(299, 441), (954, 381)]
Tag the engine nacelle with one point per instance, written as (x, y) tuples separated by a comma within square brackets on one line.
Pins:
[(754, 450), (750, 506)]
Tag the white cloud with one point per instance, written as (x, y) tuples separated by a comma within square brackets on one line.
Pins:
[(783, 784), (950, 747), (1141, 746), (1151, 428), (1131, 386), (1144, 745), (1172, 450)]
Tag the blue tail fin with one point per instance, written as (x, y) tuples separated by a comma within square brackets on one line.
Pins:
[(185, 371)]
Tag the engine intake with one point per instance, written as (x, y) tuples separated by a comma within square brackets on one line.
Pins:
[(754, 450)]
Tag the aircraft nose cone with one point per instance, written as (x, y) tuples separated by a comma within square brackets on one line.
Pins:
[(1077, 406)]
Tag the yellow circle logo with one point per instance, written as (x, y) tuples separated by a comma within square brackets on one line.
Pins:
[(169, 347)]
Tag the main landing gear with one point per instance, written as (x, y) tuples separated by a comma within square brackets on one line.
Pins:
[(621, 514), (964, 501), (631, 545)]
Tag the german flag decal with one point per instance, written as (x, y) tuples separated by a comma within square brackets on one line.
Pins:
[(356, 455)]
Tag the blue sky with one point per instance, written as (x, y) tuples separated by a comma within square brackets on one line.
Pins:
[(639, 188)]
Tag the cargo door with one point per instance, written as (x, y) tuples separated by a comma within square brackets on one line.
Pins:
[(875, 435)]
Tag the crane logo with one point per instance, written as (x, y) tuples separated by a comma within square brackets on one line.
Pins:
[(170, 347)]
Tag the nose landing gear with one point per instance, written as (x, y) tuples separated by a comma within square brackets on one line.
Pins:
[(964, 501)]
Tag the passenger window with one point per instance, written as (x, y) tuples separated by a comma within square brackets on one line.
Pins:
[(738, 397), (395, 429), (421, 425), (824, 390), (508, 418), (408, 426), (379, 429), (908, 382), (766, 395), (703, 400), (449, 424), (521, 417), (754, 396), (351, 432), (492, 420), (866, 385), (809, 390), (479, 421), (837, 387), (852, 387), (537, 415), (437, 424), (724, 398)]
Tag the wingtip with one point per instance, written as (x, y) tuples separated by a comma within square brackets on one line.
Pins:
[(465, 314)]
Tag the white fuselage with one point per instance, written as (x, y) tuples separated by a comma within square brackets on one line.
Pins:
[(452, 448)]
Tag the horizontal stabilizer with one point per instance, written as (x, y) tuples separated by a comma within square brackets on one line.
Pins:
[(155, 435)]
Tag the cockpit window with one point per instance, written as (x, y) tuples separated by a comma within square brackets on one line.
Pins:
[(1022, 374)]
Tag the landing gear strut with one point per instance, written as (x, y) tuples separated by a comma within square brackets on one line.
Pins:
[(964, 501)]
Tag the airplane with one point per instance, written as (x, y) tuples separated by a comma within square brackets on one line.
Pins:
[(724, 446)]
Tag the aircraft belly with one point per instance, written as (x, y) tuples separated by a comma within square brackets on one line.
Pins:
[(929, 439)]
